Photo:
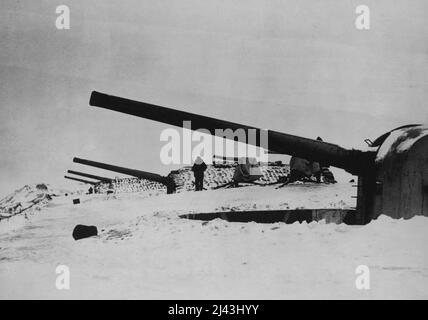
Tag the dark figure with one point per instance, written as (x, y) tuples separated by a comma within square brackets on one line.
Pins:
[(81, 231), (303, 170), (170, 185), (328, 176), (300, 169), (198, 169)]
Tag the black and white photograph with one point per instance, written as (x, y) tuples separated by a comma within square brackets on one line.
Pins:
[(215, 150)]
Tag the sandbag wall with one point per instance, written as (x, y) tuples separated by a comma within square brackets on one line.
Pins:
[(215, 175)]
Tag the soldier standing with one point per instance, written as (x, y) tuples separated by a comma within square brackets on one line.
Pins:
[(198, 169)]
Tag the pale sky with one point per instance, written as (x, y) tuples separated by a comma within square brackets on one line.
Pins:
[(299, 67)]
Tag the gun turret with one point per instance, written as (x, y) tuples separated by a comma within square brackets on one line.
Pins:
[(392, 176)]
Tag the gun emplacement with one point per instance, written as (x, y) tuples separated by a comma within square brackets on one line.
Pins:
[(354, 161)]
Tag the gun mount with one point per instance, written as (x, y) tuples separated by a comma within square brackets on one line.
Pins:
[(392, 175)]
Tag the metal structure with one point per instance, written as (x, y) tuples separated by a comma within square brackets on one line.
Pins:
[(225, 158), (167, 181), (81, 180), (392, 174), (90, 176)]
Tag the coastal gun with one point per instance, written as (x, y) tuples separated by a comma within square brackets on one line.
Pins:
[(90, 176), (81, 180), (167, 181), (392, 173)]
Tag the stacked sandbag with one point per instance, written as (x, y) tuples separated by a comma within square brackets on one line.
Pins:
[(222, 173), (128, 185), (215, 176)]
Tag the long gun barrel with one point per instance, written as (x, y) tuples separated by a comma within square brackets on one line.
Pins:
[(81, 180), (132, 172), (90, 176), (226, 158), (354, 161)]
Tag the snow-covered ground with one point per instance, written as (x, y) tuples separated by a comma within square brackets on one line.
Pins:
[(28, 199), (144, 250)]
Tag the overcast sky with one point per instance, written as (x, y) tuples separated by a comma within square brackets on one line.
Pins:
[(300, 67)]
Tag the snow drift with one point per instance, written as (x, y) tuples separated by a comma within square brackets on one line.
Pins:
[(144, 250)]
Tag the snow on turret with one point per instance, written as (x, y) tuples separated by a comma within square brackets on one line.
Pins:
[(400, 141)]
